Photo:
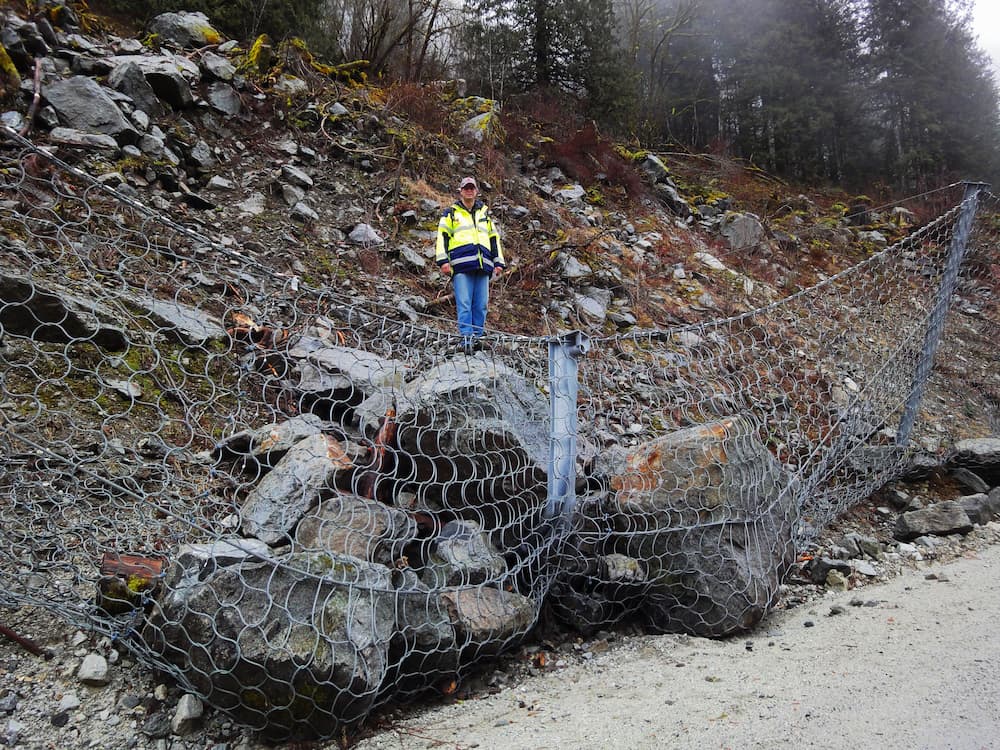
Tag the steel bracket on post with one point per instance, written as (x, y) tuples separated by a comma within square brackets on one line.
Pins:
[(564, 354)]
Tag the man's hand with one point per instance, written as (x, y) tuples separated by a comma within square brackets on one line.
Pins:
[(446, 269), (497, 271)]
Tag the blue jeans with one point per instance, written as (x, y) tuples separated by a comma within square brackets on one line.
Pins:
[(472, 295)]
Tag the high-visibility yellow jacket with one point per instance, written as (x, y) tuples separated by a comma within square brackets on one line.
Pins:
[(469, 240)]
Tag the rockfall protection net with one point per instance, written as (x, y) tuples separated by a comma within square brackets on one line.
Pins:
[(302, 506)]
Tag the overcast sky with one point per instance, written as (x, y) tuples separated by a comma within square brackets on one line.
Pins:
[(986, 24)]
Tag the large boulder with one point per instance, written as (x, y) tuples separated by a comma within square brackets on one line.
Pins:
[(708, 512), (83, 104), (131, 81), (471, 433), (52, 314), (340, 377), (170, 76), (314, 468), (184, 29), (742, 230), (981, 455), (350, 525), (294, 647)]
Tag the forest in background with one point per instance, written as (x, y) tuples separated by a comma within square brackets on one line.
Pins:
[(892, 94)]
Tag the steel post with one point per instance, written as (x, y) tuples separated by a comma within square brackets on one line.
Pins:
[(564, 354)]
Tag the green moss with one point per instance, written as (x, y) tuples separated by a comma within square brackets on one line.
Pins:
[(628, 155), (10, 79), (260, 57)]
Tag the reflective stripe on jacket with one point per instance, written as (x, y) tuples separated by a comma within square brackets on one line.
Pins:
[(468, 240)]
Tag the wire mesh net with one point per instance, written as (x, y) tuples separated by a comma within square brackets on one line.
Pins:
[(302, 505)]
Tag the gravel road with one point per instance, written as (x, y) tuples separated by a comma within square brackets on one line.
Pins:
[(913, 663)]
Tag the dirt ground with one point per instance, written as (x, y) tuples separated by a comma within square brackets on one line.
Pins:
[(911, 663)]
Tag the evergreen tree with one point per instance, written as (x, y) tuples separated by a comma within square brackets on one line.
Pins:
[(514, 46), (935, 102)]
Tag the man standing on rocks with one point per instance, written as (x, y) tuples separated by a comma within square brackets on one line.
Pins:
[(468, 250)]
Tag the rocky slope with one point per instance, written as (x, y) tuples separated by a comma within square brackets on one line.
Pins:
[(337, 185)]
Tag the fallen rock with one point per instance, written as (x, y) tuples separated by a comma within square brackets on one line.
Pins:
[(716, 512), (315, 466), (940, 519), (356, 527)]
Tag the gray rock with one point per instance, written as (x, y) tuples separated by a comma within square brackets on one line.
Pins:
[(357, 527), (297, 646), (223, 98), (572, 269), (169, 76), (981, 455), (820, 567), (462, 555), (296, 176), (217, 66), (302, 211), (291, 86), (184, 29), (412, 257), (669, 195), (152, 145), (220, 183), (292, 194), (201, 157), (71, 137), (129, 79), (592, 310), (448, 415), (864, 545), (188, 715), (484, 617), (482, 127), (940, 519), (264, 446), (187, 324), (981, 507), (364, 234), (255, 205), (94, 671), (717, 543), (12, 120), (571, 194), (55, 315), (314, 467), (342, 374), (865, 568), (742, 231), (84, 105), (654, 167), (969, 480)]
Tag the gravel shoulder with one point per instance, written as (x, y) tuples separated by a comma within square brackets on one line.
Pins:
[(910, 663)]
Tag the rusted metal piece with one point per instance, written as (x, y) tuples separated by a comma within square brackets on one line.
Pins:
[(381, 458), (113, 563), (124, 579), (26, 643)]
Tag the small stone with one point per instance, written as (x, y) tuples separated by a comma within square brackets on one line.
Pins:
[(157, 726), (69, 702), (809, 624), (836, 609), (94, 671), (60, 719), (188, 715)]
